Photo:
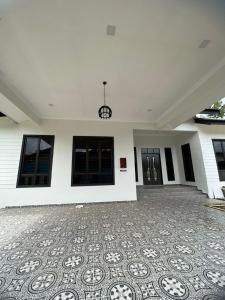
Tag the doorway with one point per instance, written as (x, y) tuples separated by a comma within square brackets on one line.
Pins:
[(151, 165)]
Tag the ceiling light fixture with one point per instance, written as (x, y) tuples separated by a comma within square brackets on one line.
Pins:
[(105, 111), (111, 30), (204, 44)]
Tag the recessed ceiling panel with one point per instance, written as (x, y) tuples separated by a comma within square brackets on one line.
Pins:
[(57, 52)]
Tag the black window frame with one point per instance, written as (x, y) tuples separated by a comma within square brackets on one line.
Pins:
[(25, 136), (223, 151), (73, 162)]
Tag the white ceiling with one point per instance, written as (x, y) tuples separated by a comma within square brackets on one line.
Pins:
[(57, 51), (147, 132), (9, 6)]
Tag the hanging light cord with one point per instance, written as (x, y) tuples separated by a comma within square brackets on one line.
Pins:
[(104, 83)]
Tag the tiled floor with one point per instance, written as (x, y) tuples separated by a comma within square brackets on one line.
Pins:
[(150, 249)]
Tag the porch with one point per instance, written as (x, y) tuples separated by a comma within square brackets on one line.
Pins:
[(151, 248)]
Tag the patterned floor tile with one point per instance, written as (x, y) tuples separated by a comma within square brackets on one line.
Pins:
[(116, 251)]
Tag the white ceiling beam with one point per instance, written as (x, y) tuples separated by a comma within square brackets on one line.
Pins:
[(14, 107), (203, 94)]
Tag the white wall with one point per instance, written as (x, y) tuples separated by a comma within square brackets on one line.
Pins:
[(206, 134), (197, 160), (11, 135), (205, 162), (161, 142)]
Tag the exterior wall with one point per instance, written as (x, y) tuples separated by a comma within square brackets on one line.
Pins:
[(207, 134), (198, 136), (207, 169), (11, 135), (174, 141), (152, 141), (197, 160)]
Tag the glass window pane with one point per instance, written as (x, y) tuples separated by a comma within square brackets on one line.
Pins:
[(30, 154), (144, 150), (223, 146), (36, 161), (187, 163), (222, 175), (80, 179), (26, 180), (156, 150), (106, 159), (169, 164), (220, 161), (44, 156), (105, 178), (217, 147), (41, 179), (93, 160), (80, 160)]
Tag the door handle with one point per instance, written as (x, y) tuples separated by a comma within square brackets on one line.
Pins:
[(154, 169), (148, 169)]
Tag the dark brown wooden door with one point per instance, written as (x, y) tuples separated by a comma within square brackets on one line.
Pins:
[(151, 165)]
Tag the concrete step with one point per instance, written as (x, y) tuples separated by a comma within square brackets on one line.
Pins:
[(169, 192), (182, 193), (167, 188), (172, 197)]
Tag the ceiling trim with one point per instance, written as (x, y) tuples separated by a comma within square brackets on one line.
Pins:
[(14, 107), (209, 88)]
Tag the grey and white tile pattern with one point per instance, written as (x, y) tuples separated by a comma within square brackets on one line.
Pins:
[(149, 249)]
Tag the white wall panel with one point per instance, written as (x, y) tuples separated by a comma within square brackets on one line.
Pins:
[(11, 134), (61, 190), (207, 134), (161, 142), (197, 160)]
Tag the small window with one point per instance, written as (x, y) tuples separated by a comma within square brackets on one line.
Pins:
[(169, 164), (219, 149), (187, 161), (36, 161), (93, 161), (135, 164)]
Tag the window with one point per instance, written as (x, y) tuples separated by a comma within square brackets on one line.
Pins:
[(36, 161), (169, 164), (93, 161), (135, 164), (187, 160), (219, 149), (150, 150)]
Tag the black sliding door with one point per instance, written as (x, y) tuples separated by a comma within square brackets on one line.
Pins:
[(187, 160)]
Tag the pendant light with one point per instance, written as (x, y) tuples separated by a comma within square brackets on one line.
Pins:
[(105, 111)]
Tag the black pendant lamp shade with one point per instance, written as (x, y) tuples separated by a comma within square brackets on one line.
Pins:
[(105, 111)]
